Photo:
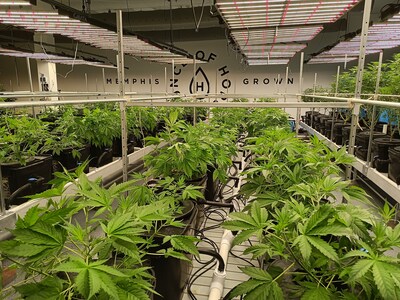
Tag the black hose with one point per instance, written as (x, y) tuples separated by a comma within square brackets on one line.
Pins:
[(216, 255)]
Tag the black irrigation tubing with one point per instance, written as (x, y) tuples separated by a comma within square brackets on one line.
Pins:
[(197, 275), (241, 258)]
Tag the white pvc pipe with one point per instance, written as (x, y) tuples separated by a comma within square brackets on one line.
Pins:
[(218, 281)]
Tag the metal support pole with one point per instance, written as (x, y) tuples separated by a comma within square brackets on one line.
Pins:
[(104, 80), (360, 72), (121, 77), (298, 115), (371, 132), (337, 81), (313, 98), (2, 197), (28, 65), (166, 81), (173, 75), (194, 88), (286, 83)]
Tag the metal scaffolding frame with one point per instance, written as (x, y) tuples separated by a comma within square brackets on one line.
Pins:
[(125, 99)]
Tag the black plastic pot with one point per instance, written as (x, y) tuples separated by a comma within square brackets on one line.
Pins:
[(394, 164), (315, 119), (211, 189), (380, 148), (362, 141), (100, 156), (319, 122), (20, 181), (328, 127), (308, 115), (172, 274), (117, 146), (68, 161), (337, 131), (346, 134)]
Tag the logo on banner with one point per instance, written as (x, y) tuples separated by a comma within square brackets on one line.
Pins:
[(199, 83)]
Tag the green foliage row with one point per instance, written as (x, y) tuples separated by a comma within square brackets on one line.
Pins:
[(310, 246), (96, 242)]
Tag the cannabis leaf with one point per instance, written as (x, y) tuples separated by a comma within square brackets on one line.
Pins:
[(261, 285), (93, 277), (253, 223)]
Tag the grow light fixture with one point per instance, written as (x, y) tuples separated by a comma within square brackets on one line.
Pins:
[(272, 22), (380, 36), (54, 58), (103, 38), (14, 3)]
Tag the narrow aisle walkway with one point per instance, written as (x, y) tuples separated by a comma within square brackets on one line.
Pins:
[(200, 286)]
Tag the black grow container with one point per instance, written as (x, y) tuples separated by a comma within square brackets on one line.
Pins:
[(20, 181), (67, 160), (172, 274), (100, 156), (380, 148), (362, 141), (394, 164)]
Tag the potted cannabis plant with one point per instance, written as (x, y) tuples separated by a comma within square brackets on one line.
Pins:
[(24, 169), (308, 247), (100, 127), (67, 145), (91, 244)]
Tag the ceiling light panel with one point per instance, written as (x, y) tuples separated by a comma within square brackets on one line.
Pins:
[(54, 23), (272, 22), (54, 58), (14, 3), (381, 36)]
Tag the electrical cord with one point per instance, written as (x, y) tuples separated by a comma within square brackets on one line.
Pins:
[(241, 258), (197, 24)]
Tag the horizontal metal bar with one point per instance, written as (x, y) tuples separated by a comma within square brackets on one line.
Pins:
[(23, 94), (354, 100), (241, 104), (56, 102)]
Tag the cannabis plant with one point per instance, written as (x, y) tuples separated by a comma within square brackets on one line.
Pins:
[(22, 138), (325, 251), (190, 150), (91, 244)]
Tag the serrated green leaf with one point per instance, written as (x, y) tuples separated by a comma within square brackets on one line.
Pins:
[(13, 248), (185, 243), (243, 288), (256, 273), (336, 230), (94, 282), (29, 236), (324, 248), (81, 281), (236, 225), (109, 270), (317, 217), (317, 293), (48, 289), (241, 216), (360, 268), (383, 280), (304, 246), (56, 233), (258, 250), (179, 255), (244, 236), (356, 253)]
